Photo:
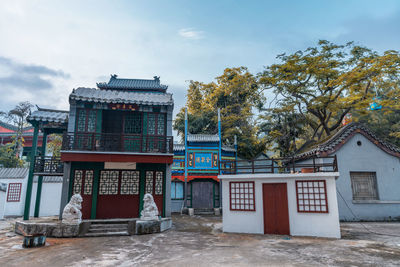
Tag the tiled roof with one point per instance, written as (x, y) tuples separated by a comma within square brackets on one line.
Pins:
[(342, 136), (49, 179), (49, 115), (203, 138), (3, 187), (13, 173), (181, 147), (12, 127), (127, 97), (133, 84)]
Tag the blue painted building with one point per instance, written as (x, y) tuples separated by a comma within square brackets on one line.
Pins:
[(203, 190)]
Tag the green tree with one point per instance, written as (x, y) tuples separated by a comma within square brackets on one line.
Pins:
[(8, 158), (54, 144), (17, 116), (237, 94), (324, 83)]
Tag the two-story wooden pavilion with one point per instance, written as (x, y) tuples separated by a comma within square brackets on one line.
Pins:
[(117, 147)]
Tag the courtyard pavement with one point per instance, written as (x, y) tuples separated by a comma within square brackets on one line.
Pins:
[(199, 241)]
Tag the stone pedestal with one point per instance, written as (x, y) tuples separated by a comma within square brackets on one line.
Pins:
[(191, 211), (217, 211)]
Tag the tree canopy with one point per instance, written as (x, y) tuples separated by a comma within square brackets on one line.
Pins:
[(324, 83), (237, 94)]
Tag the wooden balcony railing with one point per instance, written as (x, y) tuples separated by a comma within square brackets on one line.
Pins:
[(48, 166), (109, 142), (280, 165)]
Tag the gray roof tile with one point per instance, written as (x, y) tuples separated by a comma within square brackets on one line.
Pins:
[(49, 179), (127, 97), (342, 136), (13, 173), (203, 138), (133, 84), (49, 115)]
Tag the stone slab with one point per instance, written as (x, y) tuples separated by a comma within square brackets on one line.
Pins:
[(151, 227)]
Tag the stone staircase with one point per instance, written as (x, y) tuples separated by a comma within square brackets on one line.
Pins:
[(203, 211), (107, 228)]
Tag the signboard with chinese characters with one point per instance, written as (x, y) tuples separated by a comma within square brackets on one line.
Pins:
[(115, 106), (203, 160)]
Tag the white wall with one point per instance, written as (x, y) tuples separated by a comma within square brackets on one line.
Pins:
[(49, 204), (50, 199), (301, 224), (2, 202)]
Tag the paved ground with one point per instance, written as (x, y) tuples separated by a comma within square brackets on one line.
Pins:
[(198, 241)]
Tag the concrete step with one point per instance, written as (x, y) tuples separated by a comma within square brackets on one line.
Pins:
[(108, 226), (120, 233), (105, 230), (204, 211), (109, 221)]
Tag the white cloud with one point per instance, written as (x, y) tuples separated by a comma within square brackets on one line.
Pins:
[(190, 33)]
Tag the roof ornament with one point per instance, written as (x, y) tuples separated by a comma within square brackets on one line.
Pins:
[(157, 78), (114, 76)]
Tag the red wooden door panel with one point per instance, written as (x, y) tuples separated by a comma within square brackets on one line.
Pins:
[(276, 212), (154, 184), (118, 194)]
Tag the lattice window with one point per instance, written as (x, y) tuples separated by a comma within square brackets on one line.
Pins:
[(242, 196), (14, 192), (88, 184), (158, 188), (311, 196), (129, 183), (108, 183), (81, 120), (151, 124), (77, 187), (149, 182), (91, 122), (364, 185), (133, 123), (161, 124)]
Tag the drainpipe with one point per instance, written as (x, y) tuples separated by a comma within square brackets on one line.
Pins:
[(219, 156), (186, 157)]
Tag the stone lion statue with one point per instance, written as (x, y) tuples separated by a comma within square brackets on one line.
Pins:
[(150, 211), (72, 212)]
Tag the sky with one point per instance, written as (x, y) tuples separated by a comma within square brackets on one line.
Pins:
[(49, 47)]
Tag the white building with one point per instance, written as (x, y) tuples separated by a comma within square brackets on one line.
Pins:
[(297, 204), (13, 183)]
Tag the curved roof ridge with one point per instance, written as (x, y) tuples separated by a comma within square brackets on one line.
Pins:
[(338, 139)]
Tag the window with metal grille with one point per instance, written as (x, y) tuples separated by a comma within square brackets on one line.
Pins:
[(14, 192), (78, 177), (149, 182), (108, 183), (133, 123), (81, 120), (88, 184), (158, 186), (242, 196), (161, 124), (86, 121), (364, 185), (151, 124), (312, 196), (130, 183)]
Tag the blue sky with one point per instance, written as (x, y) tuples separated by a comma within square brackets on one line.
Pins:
[(47, 48)]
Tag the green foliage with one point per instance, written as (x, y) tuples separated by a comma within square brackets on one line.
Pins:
[(323, 83), (8, 158), (54, 144), (237, 94)]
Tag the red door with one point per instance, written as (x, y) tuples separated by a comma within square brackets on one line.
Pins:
[(276, 212), (83, 185), (154, 186), (118, 195)]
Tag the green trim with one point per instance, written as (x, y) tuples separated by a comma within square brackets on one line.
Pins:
[(141, 187), (31, 168), (95, 190), (40, 178), (99, 120)]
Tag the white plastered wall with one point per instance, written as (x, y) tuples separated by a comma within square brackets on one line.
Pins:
[(301, 224)]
